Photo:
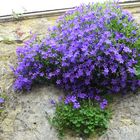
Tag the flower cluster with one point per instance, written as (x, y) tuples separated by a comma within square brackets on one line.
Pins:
[(90, 51)]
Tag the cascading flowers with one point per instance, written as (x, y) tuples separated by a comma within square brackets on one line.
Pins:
[(91, 51)]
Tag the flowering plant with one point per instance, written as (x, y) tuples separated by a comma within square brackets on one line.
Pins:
[(92, 50), (84, 121)]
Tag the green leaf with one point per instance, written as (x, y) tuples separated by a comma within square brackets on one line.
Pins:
[(138, 72)]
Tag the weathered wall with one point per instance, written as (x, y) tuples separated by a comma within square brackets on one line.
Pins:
[(25, 117)]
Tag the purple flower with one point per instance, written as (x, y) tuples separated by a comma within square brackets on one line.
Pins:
[(106, 71), (97, 98), (107, 34), (108, 42), (82, 95), (131, 70), (80, 72), (134, 32), (70, 99), (103, 104), (113, 68), (53, 102), (1, 100), (119, 58), (87, 81), (60, 98), (116, 89), (76, 105), (58, 82), (127, 50)]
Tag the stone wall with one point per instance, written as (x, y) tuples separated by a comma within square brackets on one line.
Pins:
[(25, 117)]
